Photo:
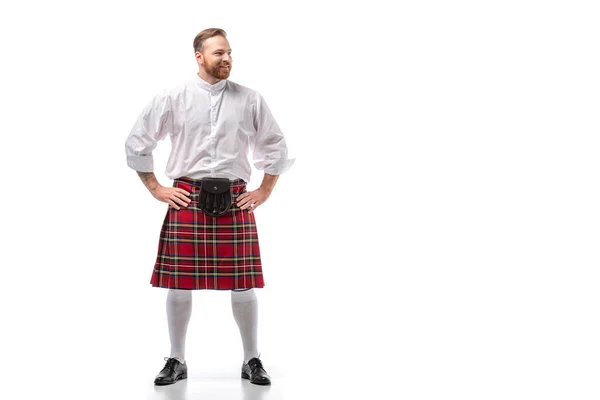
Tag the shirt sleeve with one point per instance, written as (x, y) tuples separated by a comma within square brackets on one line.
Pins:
[(153, 124), (270, 150)]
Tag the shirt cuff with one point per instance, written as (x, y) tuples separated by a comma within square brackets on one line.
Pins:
[(276, 167), (141, 163)]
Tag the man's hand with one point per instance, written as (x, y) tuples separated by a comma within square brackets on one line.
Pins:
[(253, 199), (173, 196)]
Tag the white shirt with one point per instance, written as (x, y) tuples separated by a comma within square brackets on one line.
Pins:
[(212, 129)]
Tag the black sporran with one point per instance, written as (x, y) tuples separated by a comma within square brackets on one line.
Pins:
[(215, 196)]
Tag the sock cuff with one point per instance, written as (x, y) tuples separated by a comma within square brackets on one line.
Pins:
[(243, 296)]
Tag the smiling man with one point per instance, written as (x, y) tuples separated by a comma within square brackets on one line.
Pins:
[(209, 239)]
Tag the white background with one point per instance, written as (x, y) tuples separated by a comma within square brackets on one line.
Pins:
[(437, 237)]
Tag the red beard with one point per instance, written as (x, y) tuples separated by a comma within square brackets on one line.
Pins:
[(218, 72)]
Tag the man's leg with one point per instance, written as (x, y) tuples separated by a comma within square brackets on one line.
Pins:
[(179, 310), (245, 311)]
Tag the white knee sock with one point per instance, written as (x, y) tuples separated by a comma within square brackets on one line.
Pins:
[(179, 310), (245, 312)]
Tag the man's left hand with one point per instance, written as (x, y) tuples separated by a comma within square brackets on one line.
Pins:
[(253, 199)]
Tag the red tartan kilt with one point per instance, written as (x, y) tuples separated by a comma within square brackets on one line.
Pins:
[(197, 251)]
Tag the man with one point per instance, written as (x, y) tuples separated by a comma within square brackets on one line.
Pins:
[(209, 242)]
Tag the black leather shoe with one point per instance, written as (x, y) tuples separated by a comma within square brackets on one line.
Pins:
[(254, 371), (171, 373)]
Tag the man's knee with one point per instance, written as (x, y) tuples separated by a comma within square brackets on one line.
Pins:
[(179, 295)]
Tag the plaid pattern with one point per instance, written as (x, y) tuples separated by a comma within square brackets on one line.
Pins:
[(197, 251)]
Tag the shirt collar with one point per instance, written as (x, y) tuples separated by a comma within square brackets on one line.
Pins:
[(216, 88)]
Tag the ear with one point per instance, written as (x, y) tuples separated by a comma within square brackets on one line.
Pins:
[(199, 57)]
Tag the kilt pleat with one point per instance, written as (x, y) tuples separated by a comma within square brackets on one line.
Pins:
[(197, 251)]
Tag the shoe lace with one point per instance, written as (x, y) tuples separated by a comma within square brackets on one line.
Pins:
[(255, 364), (170, 365)]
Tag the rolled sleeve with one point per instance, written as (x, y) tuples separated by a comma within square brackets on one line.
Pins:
[(152, 125), (141, 163), (278, 167), (270, 150)]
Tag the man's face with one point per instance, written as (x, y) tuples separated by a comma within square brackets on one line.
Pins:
[(216, 57)]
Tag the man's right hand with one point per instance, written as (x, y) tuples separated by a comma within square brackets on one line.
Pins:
[(172, 196)]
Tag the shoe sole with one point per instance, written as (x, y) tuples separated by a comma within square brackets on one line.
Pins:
[(246, 376), (183, 376)]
